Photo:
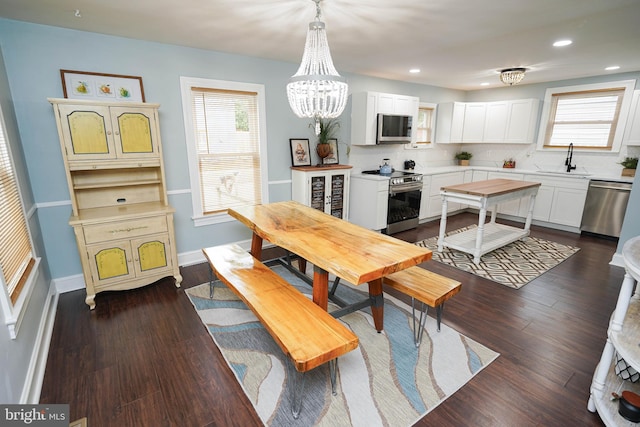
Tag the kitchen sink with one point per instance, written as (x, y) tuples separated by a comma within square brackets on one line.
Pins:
[(561, 170)]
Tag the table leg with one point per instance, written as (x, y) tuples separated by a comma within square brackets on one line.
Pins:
[(443, 224), (482, 216), (532, 202), (321, 287), (256, 247), (377, 303)]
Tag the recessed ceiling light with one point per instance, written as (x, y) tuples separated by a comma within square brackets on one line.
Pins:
[(484, 84), (561, 43), (414, 70), (613, 67)]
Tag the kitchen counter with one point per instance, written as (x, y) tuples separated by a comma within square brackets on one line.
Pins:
[(454, 168)]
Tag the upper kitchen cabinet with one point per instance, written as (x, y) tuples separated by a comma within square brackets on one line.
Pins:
[(632, 129), (365, 107), (512, 122)]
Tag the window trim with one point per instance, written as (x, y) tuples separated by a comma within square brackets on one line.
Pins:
[(14, 312), (545, 118), (431, 144), (186, 84)]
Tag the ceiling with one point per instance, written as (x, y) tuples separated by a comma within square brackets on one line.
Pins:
[(455, 43)]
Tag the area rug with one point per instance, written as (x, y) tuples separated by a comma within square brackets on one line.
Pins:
[(513, 265), (386, 381)]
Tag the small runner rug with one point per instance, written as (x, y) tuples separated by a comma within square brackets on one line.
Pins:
[(513, 265), (386, 381)]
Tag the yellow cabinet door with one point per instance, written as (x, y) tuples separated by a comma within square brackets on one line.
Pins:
[(152, 255), (135, 133), (87, 132), (111, 262)]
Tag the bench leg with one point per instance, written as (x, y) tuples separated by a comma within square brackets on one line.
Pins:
[(211, 280), (418, 326), (333, 370), (439, 314), (297, 389)]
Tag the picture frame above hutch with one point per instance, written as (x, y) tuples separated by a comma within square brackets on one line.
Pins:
[(101, 86)]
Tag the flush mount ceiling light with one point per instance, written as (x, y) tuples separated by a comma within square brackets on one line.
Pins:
[(316, 90), (512, 76)]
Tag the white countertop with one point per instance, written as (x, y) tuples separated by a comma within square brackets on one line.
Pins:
[(357, 173)]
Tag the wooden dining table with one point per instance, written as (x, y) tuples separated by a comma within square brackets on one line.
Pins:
[(334, 246)]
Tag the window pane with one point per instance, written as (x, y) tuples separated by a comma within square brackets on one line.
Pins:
[(586, 119), (15, 245), (423, 128), (228, 146)]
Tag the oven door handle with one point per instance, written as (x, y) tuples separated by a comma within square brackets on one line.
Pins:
[(404, 188)]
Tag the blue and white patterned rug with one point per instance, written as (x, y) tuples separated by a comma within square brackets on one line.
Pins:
[(386, 381), (513, 265)]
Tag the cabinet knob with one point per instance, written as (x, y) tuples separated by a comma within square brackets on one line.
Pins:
[(108, 132)]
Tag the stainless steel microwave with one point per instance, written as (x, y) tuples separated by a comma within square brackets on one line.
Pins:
[(394, 129)]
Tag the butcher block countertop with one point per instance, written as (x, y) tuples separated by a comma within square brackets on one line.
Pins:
[(491, 187)]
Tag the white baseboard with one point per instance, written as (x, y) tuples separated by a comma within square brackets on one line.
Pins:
[(617, 260), (38, 362)]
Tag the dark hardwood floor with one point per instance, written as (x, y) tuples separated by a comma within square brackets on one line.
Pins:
[(143, 358)]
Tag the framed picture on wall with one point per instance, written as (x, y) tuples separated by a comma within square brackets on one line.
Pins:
[(300, 155), (332, 158), (101, 86)]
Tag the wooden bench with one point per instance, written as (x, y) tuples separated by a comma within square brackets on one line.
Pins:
[(306, 333), (429, 288)]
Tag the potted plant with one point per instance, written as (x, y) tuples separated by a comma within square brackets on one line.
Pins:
[(630, 164), (509, 164), (463, 158), (326, 130)]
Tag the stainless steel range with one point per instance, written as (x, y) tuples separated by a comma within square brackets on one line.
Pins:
[(405, 191)]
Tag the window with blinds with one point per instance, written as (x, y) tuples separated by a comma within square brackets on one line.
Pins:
[(226, 145), (588, 119), (16, 254), (424, 130)]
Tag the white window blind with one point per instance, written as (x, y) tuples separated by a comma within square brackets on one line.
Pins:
[(16, 255), (587, 119), (424, 130), (228, 148)]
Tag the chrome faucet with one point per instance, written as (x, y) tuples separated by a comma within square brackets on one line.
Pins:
[(569, 159)]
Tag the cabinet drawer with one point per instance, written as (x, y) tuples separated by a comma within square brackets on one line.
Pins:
[(124, 229)]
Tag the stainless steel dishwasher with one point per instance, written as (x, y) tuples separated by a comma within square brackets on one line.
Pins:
[(605, 207)]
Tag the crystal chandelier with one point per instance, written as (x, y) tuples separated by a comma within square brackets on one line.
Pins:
[(512, 76), (316, 90)]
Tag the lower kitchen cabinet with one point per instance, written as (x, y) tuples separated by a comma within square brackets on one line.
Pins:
[(325, 188), (560, 200), (435, 200), (369, 202), (512, 207)]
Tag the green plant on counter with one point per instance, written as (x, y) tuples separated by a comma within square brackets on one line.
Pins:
[(464, 155), (630, 163), (327, 129)]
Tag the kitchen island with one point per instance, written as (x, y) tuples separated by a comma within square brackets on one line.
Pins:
[(485, 195)]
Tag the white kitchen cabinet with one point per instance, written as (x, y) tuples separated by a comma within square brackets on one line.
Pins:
[(512, 121), (475, 114), (369, 202), (567, 206), (325, 188), (365, 107), (424, 199), (559, 200), (435, 200), (632, 129), (521, 121)]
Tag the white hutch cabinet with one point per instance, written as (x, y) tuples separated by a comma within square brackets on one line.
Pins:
[(120, 215), (325, 188)]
